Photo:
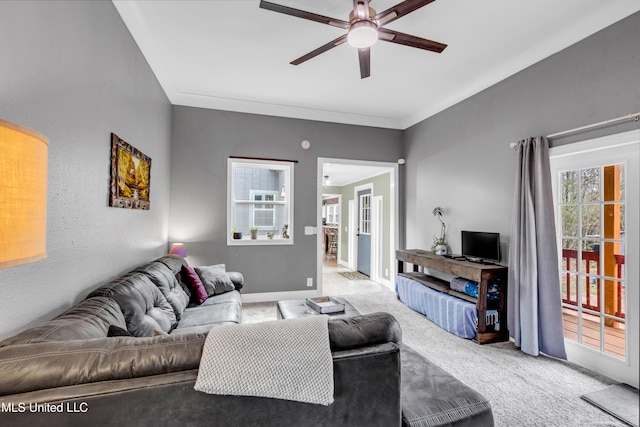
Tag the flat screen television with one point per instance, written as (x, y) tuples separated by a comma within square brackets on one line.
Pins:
[(481, 246)]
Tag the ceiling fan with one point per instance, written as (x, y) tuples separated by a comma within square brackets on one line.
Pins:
[(364, 28)]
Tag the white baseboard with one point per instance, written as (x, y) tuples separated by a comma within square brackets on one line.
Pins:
[(386, 283), (343, 263), (277, 296)]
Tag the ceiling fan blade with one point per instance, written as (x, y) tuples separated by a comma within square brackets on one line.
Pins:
[(364, 56), (399, 10), (304, 14), (321, 49), (391, 36)]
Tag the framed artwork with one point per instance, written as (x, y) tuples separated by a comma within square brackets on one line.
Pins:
[(130, 176)]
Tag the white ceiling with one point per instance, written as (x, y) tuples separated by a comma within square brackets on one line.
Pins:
[(344, 174), (232, 55)]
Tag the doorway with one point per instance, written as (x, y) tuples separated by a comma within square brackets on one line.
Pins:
[(367, 230), (364, 230), (596, 199)]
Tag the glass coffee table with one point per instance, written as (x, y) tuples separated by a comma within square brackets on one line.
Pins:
[(295, 308)]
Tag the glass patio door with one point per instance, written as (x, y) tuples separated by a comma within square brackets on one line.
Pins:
[(592, 207), (596, 193)]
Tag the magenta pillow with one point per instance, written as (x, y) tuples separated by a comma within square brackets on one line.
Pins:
[(198, 292)]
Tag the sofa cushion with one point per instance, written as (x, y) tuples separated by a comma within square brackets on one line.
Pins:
[(215, 279), (144, 307), (185, 284), (165, 280), (175, 263), (39, 366), (433, 397), (198, 292), (237, 278), (197, 316), (366, 329), (89, 319), (223, 298), (225, 311)]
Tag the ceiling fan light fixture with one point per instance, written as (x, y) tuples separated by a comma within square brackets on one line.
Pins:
[(362, 34)]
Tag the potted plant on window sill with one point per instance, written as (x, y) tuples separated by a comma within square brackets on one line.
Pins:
[(254, 233), (237, 235), (440, 243)]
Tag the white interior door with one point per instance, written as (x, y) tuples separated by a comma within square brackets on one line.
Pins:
[(596, 187)]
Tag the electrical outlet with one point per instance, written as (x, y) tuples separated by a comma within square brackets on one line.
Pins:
[(309, 282)]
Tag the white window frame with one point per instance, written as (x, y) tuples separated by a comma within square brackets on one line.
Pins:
[(333, 214), (594, 153), (288, 168), (273, 203), (365, 214)]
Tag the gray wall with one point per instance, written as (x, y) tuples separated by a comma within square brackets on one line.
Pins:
[(202, 142), (460, 158), (76, 75), (72, 71)]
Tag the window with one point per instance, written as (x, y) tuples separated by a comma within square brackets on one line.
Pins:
[(333, 214), (263, 216), (259, 202), (365, 214), (591, 204)]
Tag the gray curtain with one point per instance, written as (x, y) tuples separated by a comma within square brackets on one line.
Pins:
[(534, 307)]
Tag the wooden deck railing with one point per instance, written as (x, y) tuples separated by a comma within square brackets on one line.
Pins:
[(571, 254)]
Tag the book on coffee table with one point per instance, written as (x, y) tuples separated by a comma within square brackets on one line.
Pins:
[(325, 305)]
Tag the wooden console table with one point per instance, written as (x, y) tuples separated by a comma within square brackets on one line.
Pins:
[(483, 274)]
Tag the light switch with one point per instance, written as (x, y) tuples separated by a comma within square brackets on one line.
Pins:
[(310, 230)]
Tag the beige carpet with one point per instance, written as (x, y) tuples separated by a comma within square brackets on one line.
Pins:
[(523, 390)]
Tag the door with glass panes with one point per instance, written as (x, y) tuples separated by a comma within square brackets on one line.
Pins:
[(596, 197)]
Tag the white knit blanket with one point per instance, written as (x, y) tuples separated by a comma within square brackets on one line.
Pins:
[(284, 359)]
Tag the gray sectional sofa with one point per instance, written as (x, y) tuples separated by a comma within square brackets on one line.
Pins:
[(70, 371), (74, 370), (151, 300)]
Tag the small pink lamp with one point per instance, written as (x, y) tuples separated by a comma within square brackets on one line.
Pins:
[(178, 249)]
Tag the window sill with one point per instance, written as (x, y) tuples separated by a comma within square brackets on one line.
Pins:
[(260, 241)]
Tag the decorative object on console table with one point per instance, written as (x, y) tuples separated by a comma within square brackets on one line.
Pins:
[(23, 195), (178, 249), (487, 277), (130, 176), (440, 243)]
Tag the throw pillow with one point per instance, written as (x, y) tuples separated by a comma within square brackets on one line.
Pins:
[(215, 279), (198, 292), (117, 331)]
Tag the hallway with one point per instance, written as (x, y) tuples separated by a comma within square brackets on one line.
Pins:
[(333, 283)]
